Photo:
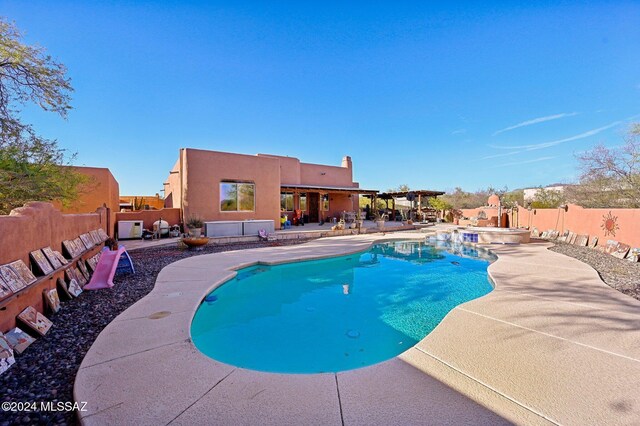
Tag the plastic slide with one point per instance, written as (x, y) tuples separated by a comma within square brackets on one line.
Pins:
[(105, 270)]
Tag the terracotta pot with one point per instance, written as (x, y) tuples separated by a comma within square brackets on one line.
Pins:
[(195, 241)]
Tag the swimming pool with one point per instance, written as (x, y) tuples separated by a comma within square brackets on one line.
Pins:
[(339, 313)]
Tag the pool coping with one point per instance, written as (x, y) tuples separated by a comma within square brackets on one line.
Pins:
[(148, 347)]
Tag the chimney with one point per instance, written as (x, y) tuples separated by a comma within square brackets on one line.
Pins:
[(346, 162)]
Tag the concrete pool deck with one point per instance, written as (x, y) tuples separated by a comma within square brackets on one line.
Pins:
[(550, 344)]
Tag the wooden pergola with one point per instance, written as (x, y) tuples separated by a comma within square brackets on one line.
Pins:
[(418, 194), (323, 190)]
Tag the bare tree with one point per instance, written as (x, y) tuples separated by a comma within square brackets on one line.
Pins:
[(610, 177)]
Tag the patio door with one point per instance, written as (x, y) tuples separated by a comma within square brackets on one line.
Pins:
[(314, 207)]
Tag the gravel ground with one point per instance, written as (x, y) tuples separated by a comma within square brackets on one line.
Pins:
[(620, 274), (47, 369)]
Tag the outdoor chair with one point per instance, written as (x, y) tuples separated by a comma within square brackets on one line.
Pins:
[(298, 217), (264, 236)]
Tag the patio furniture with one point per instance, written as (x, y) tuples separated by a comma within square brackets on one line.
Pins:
[(264, 236), (298, 217)]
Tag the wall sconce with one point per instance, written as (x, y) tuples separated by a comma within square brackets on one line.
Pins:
[(564, 207), (323, 173)]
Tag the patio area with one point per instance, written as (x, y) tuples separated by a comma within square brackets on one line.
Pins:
[(551, 344)]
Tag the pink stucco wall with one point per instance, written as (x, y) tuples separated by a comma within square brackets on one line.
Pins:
[(204, 170), (102, 189), (289, 168), (579, 220), (318, 174), (173, 187), (586, 221), (148, 217), (194, 183), (32, 227)]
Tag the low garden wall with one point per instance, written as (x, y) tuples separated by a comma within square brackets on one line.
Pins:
[(32, 227), (622, 225), (170, 215)]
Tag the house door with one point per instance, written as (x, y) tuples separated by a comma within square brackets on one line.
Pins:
[(314, 207)]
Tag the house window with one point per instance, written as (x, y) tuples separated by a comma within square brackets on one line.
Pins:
[(286, 201), (237, 197), (325, 202), (303, 202)]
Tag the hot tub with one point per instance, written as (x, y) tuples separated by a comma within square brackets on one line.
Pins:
[(489, 235)]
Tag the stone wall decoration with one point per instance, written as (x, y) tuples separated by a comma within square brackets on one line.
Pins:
[(594, 241), (82, 280), (5, 290), (609, 224), (79, 246), (621, 251), (35, 320), (52, 300), (74, 288), (38, 258), (11, 278), (87, 241), (103, 235), (74, 274), (64, 289), (23, 270), (92, 262), (60, 257), (6, 354), (83, 269), (95, 236), (611, 246), (18, 339), (582, 240), (572, 237), (67, 245), (51, 257)]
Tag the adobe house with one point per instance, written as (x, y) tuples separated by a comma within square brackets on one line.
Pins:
[(101, 190), (225, 186)]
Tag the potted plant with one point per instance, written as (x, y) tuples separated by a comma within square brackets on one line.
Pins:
[(378, 219), (194, 223)]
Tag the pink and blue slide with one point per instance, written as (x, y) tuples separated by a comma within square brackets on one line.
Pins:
[(105, 270)]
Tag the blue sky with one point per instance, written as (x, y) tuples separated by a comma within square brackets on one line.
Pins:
[(434, 95)]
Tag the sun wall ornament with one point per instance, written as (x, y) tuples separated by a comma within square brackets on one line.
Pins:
[(609, 224)]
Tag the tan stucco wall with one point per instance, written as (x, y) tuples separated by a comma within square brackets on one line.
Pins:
[(586, 221), (194, 183), (148, 217), (289, 168), (341, 202), (153, 201), (32, 227), (102, 189), (204, 170), (173, 187), (312, 174)]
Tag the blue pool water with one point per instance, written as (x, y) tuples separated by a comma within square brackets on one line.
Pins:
[(340, 313)]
